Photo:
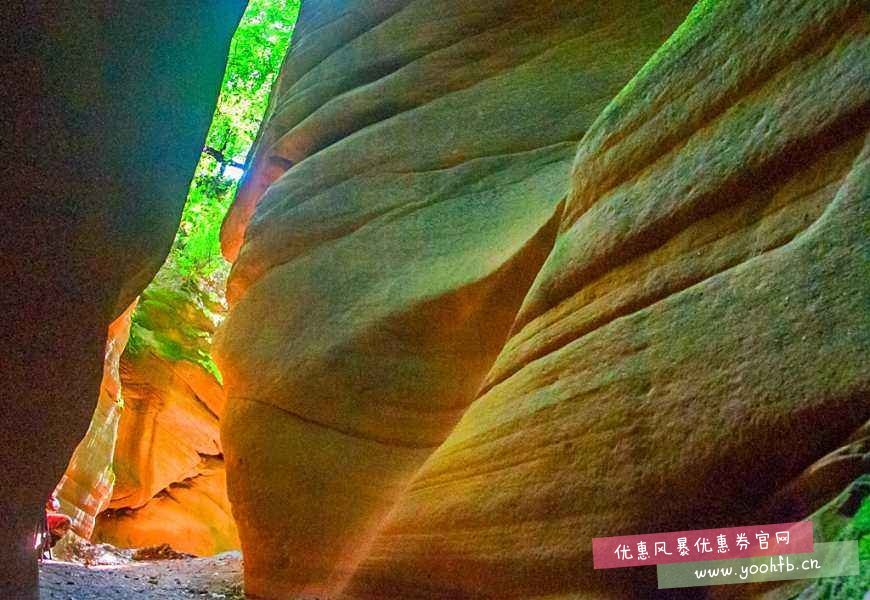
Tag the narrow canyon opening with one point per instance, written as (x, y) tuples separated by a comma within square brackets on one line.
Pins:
[(435, 300), (148, 480)]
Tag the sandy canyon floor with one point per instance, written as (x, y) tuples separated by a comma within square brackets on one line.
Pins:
[(215, 577)]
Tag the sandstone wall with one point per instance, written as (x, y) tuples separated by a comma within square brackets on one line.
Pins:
[(191, 515), (150, 470), (680, 342), (698, 335), (86, 486), (107, 109), (170, 484), (404, 193)]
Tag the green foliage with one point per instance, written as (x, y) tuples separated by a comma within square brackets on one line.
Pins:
[(196, 251), (177, 314), (256, 53), (847, 517), (257, 50), (175, 320), (855, 528)]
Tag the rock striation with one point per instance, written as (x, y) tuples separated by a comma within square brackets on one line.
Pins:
[(86, 487), (454, 356), (697, 337), (405, 190), (162, 464), (170, 484), (191, 515)]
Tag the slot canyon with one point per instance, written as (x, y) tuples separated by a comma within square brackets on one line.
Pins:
[(407, 299)]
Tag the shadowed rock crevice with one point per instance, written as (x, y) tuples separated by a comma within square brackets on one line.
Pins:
[(102, 99)]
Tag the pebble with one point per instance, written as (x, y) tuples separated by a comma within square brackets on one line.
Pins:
[(217, 577)]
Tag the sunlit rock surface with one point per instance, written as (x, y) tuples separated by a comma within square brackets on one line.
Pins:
[(86, 487), (696, 339), (106, 110), (191, 515), (169, 476), (404, 193), (154, 456), (172, 397)]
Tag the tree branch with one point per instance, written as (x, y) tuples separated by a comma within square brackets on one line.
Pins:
[(224, 161)]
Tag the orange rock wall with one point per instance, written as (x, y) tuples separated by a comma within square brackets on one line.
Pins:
[(151, 468), (442, 382), (86, 487), (166, 428), (191, 515), (404, 193)]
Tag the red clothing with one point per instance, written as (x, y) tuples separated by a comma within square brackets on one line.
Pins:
[(57, 522), (58, 525)]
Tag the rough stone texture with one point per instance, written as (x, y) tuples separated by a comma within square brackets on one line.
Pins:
[(698, 335), (107, 108), (170, 484), (191, 515), (86, 487), (215, 577), (158, 451), (403, 195)]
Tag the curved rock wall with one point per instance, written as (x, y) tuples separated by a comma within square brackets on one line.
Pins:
[(191, 515), (697, 337), (150, 471), (86, 487), (170, 484), (109, 109), (404, 193), (172, 397), (695, 341)]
